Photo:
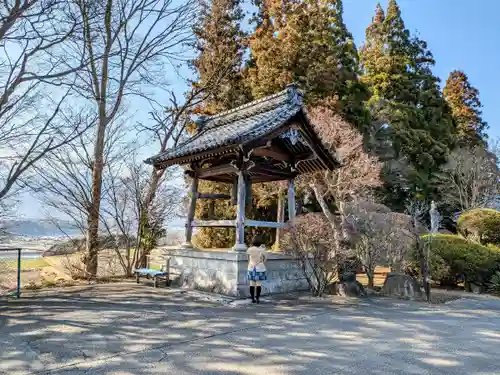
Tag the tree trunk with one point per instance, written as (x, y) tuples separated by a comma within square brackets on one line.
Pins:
[(422, 261), (92, 244), (370, 275), (336, 228), (140, 258)]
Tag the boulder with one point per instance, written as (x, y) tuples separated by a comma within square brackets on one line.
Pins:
[(346, 289), (401, 285)]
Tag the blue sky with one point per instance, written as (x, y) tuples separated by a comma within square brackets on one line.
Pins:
[(460, 35)]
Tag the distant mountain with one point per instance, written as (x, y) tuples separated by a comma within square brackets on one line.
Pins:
[(39, 228), (48, 228)]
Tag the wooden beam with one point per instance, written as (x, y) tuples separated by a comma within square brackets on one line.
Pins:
[(273, 172), (213, 196), (213, 223), (264, 224), (272, 153), (199, 156), (192, 206), (215, 171)]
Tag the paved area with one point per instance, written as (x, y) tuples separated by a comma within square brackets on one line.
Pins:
[(128, 329)]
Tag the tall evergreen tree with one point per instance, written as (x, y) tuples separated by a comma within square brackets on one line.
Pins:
[(307, 42), (406, 103), (220, 42), (465, 104)]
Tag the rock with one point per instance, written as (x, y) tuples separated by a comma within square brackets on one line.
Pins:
[(401, 285), (476, 289), (346, 289)]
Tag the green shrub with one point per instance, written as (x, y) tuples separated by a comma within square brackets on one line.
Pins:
[(480, 224), (494, 284), (454, 259)]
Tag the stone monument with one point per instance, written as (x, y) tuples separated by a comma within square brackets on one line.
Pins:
[(270, 139)]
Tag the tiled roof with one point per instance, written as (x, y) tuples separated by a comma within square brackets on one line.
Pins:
[(238, 125)]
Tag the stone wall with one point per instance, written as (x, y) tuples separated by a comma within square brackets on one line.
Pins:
[(224, 272)]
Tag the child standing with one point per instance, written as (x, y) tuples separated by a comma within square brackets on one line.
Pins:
[(256, 272)]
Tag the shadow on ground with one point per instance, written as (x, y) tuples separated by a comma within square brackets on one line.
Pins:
[(135, 329)]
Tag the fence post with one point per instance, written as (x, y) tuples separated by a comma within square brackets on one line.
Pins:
[(18, 290)]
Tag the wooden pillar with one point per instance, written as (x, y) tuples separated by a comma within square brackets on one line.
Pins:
[(234, 192), (248, 192), (291, 200), (240, 214), (281, 219), (193, 192)]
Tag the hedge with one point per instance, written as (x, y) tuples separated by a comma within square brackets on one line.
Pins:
[(454, 259)]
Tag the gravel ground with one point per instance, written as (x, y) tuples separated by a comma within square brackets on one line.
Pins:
[(135, 329)]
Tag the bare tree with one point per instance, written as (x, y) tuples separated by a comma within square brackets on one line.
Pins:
[(417, 210), (379, 236), (168, 128), (34, 37), (64, 179), (130, 43), (311, 246), (124, 202), (471, 178), (359, 172)]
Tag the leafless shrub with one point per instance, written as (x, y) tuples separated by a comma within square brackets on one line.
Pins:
[(312, 243)]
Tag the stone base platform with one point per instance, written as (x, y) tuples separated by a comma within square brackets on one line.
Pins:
[(224, 272)]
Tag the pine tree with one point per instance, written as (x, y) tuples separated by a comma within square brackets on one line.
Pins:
[(406, 103), (307, 42), (220, 43), (465, 104)]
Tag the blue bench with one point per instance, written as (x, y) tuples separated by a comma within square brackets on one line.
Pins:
[(154, 274)]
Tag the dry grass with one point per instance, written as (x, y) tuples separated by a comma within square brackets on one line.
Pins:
[(380, 274)]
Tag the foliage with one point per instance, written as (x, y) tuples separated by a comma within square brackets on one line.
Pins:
[(494, 284), (220, 43), (412, 123), (379, 236), (455, 259), (465, 104), (307, 42), (480, 224), (311, 242)]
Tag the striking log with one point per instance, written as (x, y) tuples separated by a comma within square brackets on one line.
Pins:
[(213, 196), (265, 224)]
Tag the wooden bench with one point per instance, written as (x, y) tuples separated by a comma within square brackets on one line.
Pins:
[(156, 275)]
